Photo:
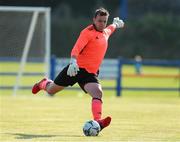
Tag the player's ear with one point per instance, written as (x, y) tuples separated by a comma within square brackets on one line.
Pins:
[(94, 19)]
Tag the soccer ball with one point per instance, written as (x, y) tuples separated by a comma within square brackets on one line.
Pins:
[(91, 128)]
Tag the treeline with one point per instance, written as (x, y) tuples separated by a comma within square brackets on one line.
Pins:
[(151, 36), (152, 27)]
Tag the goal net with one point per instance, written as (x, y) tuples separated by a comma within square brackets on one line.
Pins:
[(24, 48)]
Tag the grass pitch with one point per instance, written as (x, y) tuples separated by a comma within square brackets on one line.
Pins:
[(141, 117), (137, 116)]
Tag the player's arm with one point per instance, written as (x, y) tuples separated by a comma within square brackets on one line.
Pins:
[(80, 44), (78, 47), (117, 23)]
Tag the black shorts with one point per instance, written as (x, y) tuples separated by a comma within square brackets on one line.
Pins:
[(81, 78)]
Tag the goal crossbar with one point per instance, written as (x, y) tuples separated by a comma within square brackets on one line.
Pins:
[(24, 9)]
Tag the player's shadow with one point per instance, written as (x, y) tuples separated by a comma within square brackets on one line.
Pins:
[(31, 136)]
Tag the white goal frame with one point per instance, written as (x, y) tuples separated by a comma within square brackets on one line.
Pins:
[(35, 11)]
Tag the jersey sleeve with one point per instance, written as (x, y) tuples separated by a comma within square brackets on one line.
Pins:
[(80, 43), (110, 29)]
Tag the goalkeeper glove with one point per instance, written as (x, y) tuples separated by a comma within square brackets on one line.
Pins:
[(118, 22), (73, 67)]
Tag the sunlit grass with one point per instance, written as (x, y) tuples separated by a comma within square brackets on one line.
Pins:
[(144, 118), (138, 116)]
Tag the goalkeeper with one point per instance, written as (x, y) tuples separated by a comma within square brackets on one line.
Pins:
[(86, 58)]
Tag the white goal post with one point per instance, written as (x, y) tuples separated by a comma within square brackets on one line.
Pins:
[(26, 31)]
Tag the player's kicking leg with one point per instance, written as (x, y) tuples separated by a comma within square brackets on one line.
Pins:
[(61, 81), (47, 85)]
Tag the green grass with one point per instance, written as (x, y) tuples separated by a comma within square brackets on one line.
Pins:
[(138, 81), (152, 70), (14, 67), (136, 118)]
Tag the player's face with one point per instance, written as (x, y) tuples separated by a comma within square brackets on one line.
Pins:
[(100, 22)]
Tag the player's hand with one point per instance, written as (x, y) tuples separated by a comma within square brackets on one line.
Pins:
[(118, 22), (73, 68)]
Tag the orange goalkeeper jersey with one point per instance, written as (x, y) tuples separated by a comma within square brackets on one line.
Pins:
[(91, 47)]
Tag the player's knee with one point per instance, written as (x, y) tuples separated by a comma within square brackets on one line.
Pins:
[(98, 94)]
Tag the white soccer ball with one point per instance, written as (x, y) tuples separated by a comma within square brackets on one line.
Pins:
[(91, 128)]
